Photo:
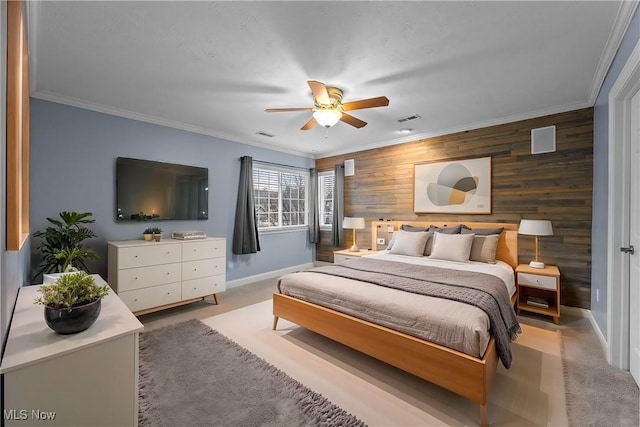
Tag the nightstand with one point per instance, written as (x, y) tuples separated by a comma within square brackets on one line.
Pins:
[(345, 254), (539, 290)]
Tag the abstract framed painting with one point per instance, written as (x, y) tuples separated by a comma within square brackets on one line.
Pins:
[(458, 186)]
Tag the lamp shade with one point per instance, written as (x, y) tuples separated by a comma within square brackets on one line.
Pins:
[(535, 227), (353, 223), (327, 117)]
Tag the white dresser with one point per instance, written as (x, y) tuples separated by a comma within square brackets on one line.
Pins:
[(85, 379), (150, 276)]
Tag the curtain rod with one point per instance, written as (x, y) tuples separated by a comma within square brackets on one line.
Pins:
[(279, 164)]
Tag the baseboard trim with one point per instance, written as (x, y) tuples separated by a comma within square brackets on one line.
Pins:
[(268, 275)]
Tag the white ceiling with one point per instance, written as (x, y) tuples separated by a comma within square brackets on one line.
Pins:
[(213, 67)]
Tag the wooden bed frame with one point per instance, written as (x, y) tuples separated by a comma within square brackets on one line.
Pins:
[(462, 374)]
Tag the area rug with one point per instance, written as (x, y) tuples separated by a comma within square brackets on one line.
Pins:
[(193, 375), (597, 394)]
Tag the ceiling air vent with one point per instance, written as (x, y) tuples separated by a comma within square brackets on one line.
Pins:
[(268, 135), (406, 119)]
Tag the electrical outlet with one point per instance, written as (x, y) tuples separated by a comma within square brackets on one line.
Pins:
[(380, 240)]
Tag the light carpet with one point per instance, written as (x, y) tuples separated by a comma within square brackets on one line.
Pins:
[(192, 375), (597, 394), (531, 393)]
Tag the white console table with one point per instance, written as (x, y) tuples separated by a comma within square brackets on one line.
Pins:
[(89, 378)]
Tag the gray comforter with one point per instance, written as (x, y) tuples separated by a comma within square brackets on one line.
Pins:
[(481, 290)]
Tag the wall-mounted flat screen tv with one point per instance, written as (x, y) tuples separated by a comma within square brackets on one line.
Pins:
[(151, 191)]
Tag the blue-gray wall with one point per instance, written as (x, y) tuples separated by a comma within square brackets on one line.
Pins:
[(73, 153), (599, 225)]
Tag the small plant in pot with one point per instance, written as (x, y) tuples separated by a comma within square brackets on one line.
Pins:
[(72, 302), (148, 233), (156, 233)]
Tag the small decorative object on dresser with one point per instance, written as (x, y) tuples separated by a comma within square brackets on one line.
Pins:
[(539, 290), (154, 233), (166, 274), (345, 254)]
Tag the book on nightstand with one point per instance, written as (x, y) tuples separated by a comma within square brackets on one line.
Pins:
[(537, 302)]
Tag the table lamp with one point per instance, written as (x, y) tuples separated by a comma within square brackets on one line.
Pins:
[(353, 223), (536, 227)]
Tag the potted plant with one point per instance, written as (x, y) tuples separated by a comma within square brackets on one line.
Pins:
[(157, 233), (60, 238), (72, 302), (148, 233)]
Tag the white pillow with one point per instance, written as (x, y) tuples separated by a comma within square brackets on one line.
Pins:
[(452, 247), (409, 243), (484, 248)]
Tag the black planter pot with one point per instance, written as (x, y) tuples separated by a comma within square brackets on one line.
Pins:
[(70, 321)]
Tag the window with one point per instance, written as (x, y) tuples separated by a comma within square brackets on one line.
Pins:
[(280, 196), (326, 182)]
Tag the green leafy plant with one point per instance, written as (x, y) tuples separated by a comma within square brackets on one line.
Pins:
[(153, 230), (60, 238), (71, 290)]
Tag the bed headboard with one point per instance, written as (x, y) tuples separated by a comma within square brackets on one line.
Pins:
[(507, 250)]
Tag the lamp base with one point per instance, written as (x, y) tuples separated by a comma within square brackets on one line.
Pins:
[(354, 248), (536, 264)]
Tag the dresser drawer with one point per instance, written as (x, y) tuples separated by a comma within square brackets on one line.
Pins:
[(141, 299), (201, 250), (204, 286), (141, 256), (143, 277), (537, 281), (202, 268)]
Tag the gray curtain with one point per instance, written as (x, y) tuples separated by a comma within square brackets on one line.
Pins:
[(337, 233), (245, 231), (314, 214)]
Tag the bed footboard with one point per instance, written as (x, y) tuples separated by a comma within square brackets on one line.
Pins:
[(462, 374)]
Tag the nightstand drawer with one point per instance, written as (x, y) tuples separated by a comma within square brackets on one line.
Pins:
[(337, 258), (537, 281)]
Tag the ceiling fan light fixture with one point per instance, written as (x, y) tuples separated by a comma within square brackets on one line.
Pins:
[(327, 117)]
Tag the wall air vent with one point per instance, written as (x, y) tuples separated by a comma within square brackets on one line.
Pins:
[(406, 119), (268, 135)]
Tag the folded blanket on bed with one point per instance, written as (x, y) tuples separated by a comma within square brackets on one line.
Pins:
[(481, 290)]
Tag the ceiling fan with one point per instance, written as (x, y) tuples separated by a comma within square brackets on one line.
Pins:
[(328, 108)]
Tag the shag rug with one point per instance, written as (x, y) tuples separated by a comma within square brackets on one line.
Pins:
[(598, 394), (193, 375)]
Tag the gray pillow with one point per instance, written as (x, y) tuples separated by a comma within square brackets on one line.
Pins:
[(446, 230), (481, 231), (483, 248), (407, 227)]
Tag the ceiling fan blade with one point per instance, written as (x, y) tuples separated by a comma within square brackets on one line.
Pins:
[(310, 124), (380, 101), (320, 93), (280, 110), (352, 121)]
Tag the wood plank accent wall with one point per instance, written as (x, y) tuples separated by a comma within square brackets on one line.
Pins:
[(555, 186)]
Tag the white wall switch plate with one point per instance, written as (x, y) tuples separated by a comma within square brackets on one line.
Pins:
[(389, 228), (380, 241)]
